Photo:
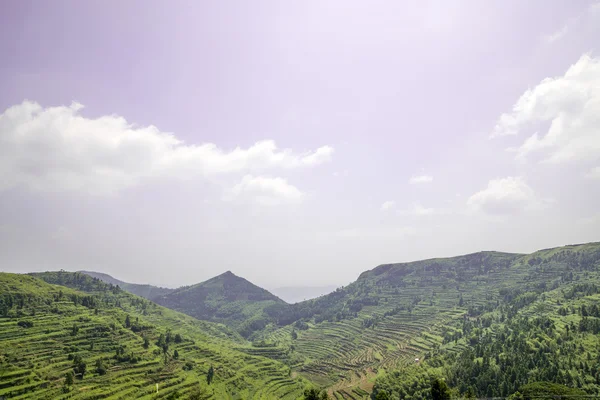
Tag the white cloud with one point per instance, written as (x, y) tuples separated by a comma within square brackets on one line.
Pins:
[(504, 196), (569, 106), (418, 210), (415, 180), (56, 148), (265, 191), (388, 205), (559, 34)]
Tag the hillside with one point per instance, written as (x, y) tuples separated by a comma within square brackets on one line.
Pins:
[(541, 341), (143, 290), (88, 339), (487, 323), (226, 298), (397, 313)]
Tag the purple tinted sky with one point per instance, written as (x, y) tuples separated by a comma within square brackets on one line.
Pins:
[(397, 89)]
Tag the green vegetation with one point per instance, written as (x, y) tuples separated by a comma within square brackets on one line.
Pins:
[(487, 324), (147, 291), (423, 318), (226, 298), (543, 328), (76, 344)]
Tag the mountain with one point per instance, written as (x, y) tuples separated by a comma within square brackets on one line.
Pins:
[(397, 313), (487, 324), (536, 337), (147, 291), (296, 294), (68, 335), (226, 298)]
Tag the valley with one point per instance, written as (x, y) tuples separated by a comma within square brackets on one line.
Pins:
[(437, 318)]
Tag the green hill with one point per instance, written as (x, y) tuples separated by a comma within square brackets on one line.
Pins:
[(226, 298), (87, 339), (489, 324), (397, 313), (143, 290)]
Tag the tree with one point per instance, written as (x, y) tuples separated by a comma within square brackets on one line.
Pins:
[(210, 375), (382, 395), (178, 338), (74, 329), (176, 354), (100, 368), (294, 335), (165, 349), (69, 378), (439, 390), (79, 367), (127, 321), (146, 342), (197, 393), (314, 394)]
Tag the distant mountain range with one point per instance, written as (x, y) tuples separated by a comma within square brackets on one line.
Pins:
[(226, 298), (143, 290)]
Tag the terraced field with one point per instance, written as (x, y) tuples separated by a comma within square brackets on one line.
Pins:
[(390, 317), (47, 329), (418, 305)]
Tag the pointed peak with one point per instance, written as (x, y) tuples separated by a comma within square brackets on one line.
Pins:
[(227, 274)]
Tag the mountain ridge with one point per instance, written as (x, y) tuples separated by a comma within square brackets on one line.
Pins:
[(69, 335), (225, 298), (141, 289)]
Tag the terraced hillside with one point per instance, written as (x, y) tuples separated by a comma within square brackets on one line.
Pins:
[(543, 343), (226, 298), (143, 290), (101, 342), (397, 313)]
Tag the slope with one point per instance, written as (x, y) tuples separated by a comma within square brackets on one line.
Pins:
[(143, 290), (119, 345), (541, 334), (397, 313), (226, 298)]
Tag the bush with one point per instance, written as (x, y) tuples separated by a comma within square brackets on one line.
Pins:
[(25, 324)]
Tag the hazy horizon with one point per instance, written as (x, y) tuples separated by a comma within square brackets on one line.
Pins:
[(295, 144)]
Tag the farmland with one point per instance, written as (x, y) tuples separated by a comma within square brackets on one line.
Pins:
[(48, 328), (426, 318)]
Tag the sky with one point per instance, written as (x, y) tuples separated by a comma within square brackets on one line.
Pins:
[(293, 143)]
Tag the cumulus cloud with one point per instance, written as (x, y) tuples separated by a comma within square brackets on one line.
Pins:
[(56, 148), (569, 106), (504, 196), (265, 190), (388, 205), (419, 179)]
